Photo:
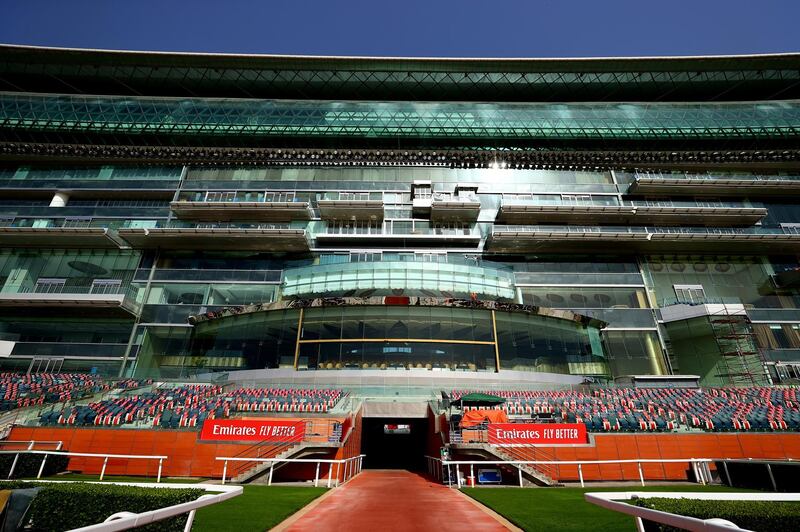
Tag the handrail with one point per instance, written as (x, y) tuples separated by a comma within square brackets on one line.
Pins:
[(33, 443), (699, 465), (128, 520), (610, 500), (278, 446), (105, 457), (352, 466)]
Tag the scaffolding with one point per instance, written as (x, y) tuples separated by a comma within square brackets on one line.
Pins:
[(741, 362)]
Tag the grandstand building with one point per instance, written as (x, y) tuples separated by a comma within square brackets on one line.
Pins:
[(258, 268), (168, 215)]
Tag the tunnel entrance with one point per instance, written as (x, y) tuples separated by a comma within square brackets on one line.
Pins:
[(394, 443)]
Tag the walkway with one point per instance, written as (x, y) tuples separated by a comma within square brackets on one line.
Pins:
[(393, 500)]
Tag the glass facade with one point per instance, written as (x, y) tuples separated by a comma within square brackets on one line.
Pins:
[(136, 116), (134, 268)]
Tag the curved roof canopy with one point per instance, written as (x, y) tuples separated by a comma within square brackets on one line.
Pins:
[(712, 78)]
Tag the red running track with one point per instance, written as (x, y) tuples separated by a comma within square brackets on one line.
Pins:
[(381, 501)]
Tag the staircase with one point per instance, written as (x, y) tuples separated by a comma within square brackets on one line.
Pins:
[(248, 471), (539, 475), (261, 467)]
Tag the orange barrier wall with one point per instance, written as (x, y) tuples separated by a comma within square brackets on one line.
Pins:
[(668, 446), (187, 455)]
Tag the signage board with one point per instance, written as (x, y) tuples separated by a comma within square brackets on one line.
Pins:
[(537, 433), (253, 430)]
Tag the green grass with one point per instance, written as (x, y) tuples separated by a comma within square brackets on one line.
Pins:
[(563, 509), (259, 508)]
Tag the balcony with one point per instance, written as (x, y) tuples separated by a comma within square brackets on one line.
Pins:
[(106, 296), (576, 239), (58, 237), (226, 211), (451, 208), (351, 209), (399, 234), (220, 236), (675, 309), (632, 212), (702, 184)]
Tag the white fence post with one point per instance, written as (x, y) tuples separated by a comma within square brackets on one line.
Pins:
[(519, 471), (160, 464), (41, 467), (641, 475), (224, 472), (338, 467), (271, 469), (316, 476), (103, 471), (580, 474), (13, 465)]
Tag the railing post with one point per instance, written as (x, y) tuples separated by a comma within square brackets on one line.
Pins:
[(330, 473), (449, 476), (160, 464), (103, 471), (13, 465), (338, 467), (458, 476), (519, 472), (41, 467), (472, 474), (727, 474), (360, 463), (316, 476), (580, 474), (271, 468), (224, 472), (189, 522), (641, 475), (772, 477)]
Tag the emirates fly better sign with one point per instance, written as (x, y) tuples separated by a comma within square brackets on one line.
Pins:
[(536, 433), (253, 430)]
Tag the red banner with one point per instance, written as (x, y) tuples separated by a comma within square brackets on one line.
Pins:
[(253, 430), (536, 433)]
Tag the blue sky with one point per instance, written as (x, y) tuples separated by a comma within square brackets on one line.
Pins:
[(490, 28)]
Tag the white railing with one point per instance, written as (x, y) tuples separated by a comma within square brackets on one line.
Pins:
[(104, 456), (31, 444), (699, 466), (611, 500), (128, 520), (352, 466)]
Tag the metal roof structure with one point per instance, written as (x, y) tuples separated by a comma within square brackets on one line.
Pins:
[(712, 78)]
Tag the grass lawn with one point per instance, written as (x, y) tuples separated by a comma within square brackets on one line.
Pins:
[(563, 509), (259, 508)]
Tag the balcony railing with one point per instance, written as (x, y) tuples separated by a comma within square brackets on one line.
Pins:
[(716, 176), (61, 292), (644, 230), (214, 276), (71, 350)]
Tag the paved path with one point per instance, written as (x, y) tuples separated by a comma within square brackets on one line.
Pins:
[(393, 500)]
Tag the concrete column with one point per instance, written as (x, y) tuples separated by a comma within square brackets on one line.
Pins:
[(60, 199)]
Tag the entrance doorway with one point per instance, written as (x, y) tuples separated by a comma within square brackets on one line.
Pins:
[(394, 443)]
